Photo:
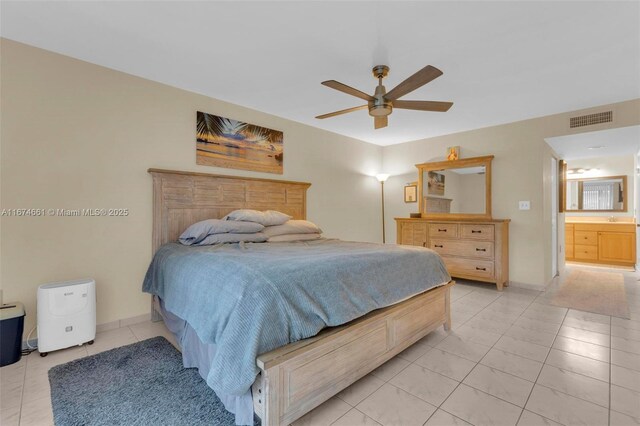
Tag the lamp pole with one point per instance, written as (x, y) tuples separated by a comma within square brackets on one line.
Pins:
[(383, 232), (381, 178)]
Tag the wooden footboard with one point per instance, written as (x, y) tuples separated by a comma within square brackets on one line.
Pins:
[(298, 377)]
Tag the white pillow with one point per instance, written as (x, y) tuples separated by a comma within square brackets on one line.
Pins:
[(293, 237), (293, 227), (266, 218), (200, 230)]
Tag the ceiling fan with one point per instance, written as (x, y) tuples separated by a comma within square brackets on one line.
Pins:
[(381, 104)]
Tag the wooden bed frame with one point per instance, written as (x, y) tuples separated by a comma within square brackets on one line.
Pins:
[(297, 377)]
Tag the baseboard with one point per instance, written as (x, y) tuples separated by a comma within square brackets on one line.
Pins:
[(527, 286), (125, 322)]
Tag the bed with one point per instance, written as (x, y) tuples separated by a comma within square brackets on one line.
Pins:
[(343, 323)]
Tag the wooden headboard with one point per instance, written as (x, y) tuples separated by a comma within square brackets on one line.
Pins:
[(184, 198)]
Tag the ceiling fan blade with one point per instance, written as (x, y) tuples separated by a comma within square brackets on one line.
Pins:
[(380, 122), (342, 111), (422, 77), (423, 105), (347, 89)]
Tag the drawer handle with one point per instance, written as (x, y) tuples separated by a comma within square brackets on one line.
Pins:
[(473, 231), (480, 269), (438, 246), (479, 249), (424, 244), (442, 230)]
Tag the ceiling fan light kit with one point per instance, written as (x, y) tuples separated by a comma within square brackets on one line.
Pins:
[(381, 104)]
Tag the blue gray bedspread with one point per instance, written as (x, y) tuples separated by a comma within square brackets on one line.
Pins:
[(249, 299)]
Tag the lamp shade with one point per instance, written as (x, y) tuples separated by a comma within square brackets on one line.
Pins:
[(382, 177)]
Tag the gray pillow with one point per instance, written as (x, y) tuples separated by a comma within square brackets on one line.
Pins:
[(258, 237), (293, 227), (266, 218), (200, 230)]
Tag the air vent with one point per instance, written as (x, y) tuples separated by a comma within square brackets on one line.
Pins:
[(591, 119)]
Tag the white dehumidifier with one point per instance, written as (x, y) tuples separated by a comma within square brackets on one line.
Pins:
[(66, 315)]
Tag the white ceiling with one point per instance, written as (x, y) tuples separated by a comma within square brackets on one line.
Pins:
[(612, 143), (502, 61)]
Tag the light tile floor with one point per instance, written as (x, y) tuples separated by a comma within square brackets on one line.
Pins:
[(512, 358)]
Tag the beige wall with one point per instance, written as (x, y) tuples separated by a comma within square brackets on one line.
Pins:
[(521, 171), (76, 135)]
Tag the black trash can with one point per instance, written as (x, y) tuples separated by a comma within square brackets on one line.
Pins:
[(11, 328)]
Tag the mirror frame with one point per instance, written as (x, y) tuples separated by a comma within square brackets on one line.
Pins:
[(456, 164), (625, 206)]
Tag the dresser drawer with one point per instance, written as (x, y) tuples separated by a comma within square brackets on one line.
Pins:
[(443, 230), (475, 249), (469, 267), (582, 252), (477, 232), (586, 238)]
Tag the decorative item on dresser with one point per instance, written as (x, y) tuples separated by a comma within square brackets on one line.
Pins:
[(608, 243), (459, 225), (474, 250)]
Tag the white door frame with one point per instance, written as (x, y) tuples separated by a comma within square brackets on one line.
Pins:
[(555, 212)]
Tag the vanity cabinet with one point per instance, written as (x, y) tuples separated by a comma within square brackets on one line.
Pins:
[(602, 243), (471, 249)]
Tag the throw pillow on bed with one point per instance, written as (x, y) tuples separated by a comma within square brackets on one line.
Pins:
[(266, 218), (293, 237), (258, 237), (197, 232), (293, 227)]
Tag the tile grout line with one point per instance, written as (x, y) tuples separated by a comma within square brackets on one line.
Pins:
[(24, 380)]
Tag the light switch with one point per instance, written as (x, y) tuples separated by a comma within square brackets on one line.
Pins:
[(524, 205)]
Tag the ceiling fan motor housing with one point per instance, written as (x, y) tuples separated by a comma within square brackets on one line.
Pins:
[(380, 107)]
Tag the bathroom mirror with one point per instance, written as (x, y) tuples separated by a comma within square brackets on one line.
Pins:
[(601, 194), (456, 189)]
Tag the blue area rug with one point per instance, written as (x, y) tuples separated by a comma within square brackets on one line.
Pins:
[(139, 384)]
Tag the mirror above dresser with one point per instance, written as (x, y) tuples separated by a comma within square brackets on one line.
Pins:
[(458, 188)]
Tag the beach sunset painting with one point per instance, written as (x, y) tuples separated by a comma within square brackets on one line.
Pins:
[(229, 143)]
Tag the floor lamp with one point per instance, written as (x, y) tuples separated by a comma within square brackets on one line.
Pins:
[(381, 178)]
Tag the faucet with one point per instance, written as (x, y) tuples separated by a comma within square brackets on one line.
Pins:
[(612, 218)]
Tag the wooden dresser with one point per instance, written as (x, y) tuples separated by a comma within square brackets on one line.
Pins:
[(472, 249), (601, 242)]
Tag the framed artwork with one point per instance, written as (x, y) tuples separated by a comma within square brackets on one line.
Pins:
[(453, 153), (411, 193), (435, 184), (233, 144)]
